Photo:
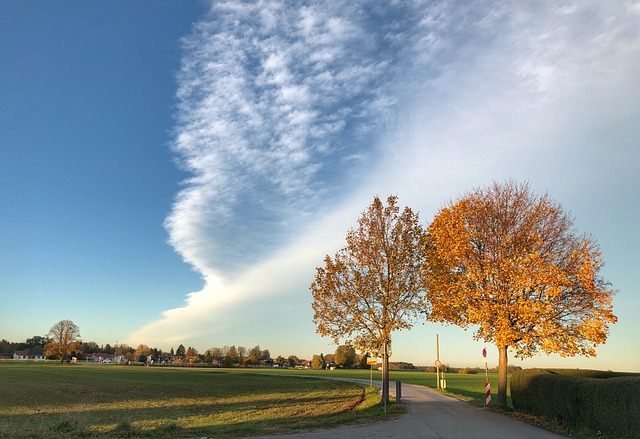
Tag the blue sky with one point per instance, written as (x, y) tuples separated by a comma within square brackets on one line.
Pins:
[(172, 172)]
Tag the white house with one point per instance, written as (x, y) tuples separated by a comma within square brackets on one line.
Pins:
[(27, 355)]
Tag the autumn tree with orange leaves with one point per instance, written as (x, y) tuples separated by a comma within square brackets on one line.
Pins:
[(63, 339), (373, 286), (511, 263)]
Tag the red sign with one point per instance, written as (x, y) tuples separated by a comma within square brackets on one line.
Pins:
[(438, 363), (484, 352)]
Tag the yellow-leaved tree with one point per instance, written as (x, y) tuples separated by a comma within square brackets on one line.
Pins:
[(511, 263), (373, 286)]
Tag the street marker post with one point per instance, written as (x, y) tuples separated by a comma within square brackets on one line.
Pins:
[(371, 361), (487, 386), (487, 394)]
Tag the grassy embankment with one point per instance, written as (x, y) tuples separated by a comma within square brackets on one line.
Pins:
[(52, 400)]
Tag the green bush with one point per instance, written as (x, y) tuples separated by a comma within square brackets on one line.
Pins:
[(605, 402)]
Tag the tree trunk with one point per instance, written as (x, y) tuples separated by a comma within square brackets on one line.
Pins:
[(502, 376), (385, 375)]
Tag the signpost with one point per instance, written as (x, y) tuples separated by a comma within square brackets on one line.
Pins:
[(487, 386), (442, 383), (486, 368), (371, 361), (437, 362)]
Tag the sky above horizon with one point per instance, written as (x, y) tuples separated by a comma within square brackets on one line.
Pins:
[(172, 172)]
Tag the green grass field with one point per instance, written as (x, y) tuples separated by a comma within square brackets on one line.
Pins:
[(467, 387), (65, 401)]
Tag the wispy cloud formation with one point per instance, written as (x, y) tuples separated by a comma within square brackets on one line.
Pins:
[(278, 109), (292, 116)]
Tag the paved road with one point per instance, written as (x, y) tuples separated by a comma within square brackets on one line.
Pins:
[(433, 415)]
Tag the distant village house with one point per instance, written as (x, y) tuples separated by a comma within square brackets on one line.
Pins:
[(28, 355), (106, 358)]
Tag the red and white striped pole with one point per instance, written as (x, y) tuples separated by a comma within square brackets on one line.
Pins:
[(487, 393)]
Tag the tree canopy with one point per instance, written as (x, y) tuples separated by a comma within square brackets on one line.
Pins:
[(345, 356), (142, 352), (318, 362), (63, 339), (511, 264), (373, 286), (255, 354)]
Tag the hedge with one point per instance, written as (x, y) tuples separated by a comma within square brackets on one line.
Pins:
[(599, 401)]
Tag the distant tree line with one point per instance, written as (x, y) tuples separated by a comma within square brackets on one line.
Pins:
[(63, 343), (344, 357), (469, 370), (34, 344)]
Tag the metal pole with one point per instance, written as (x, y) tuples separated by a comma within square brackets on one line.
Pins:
[(438, 362), (486, 372), (371, 377)]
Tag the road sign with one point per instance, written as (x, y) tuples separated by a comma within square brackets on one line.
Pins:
[(484, 354), (438, 363), (372, 361)]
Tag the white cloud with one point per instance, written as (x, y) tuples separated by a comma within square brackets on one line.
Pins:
[(266, 114), (290, 123)]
